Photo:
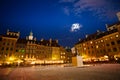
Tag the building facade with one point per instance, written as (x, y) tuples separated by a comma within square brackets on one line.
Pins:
[(8, 45), (101, 45), (29, 50)]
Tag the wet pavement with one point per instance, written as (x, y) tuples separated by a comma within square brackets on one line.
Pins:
[(92, 72)]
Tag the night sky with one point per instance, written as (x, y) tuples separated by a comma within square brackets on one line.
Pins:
[(65, 20)]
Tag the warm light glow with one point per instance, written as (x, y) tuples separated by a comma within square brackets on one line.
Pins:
[(33, 62), (83, 44), (84, 48), (97, 46), (105, 56), (8, 62), (116, 35), (91, 42), (22, 56), (54, 58), (11, 58), (101, 40)]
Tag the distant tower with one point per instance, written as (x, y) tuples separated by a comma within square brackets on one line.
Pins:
[(118, 15), (31, 36)]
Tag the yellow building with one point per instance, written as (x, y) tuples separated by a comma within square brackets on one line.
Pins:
[(8, 45), (29, 50), (101, 45)]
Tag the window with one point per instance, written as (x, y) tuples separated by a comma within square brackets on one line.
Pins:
[(91, 42), (7, 48), (88, 48), (118, 41), (8, 44), (97, 46), (113, 43), (101, 40), (2, 48), (83, 44), (104, 50), (101, 51), (23, 51), (116, 35), (4, 43), (84, 48), (97, 51), (114, 49), (16, 50), (107, 44), (109, 50), (11, 49), (91, 46), (111, 37), (109, 29)]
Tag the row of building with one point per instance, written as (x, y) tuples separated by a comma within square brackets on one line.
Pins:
[(14, 49), (101, 45)]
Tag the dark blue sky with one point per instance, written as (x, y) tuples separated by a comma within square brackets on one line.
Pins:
[(55, 18)]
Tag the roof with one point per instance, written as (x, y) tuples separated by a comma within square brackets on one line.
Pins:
[(44, 42), (24, 41), (47, 43), (117, 23), (10, 36), (97, 36), (13, 32)]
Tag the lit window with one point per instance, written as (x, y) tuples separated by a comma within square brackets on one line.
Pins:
[(83, 44), (23, 51), (97, 46), (84, 48), (116, 35), (101, 40), (91, 42)]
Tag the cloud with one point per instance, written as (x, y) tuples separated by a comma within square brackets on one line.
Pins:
[(75, 27), (99, 8), (66, 11)]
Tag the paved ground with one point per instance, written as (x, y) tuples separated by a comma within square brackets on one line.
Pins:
[(97, 72)]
